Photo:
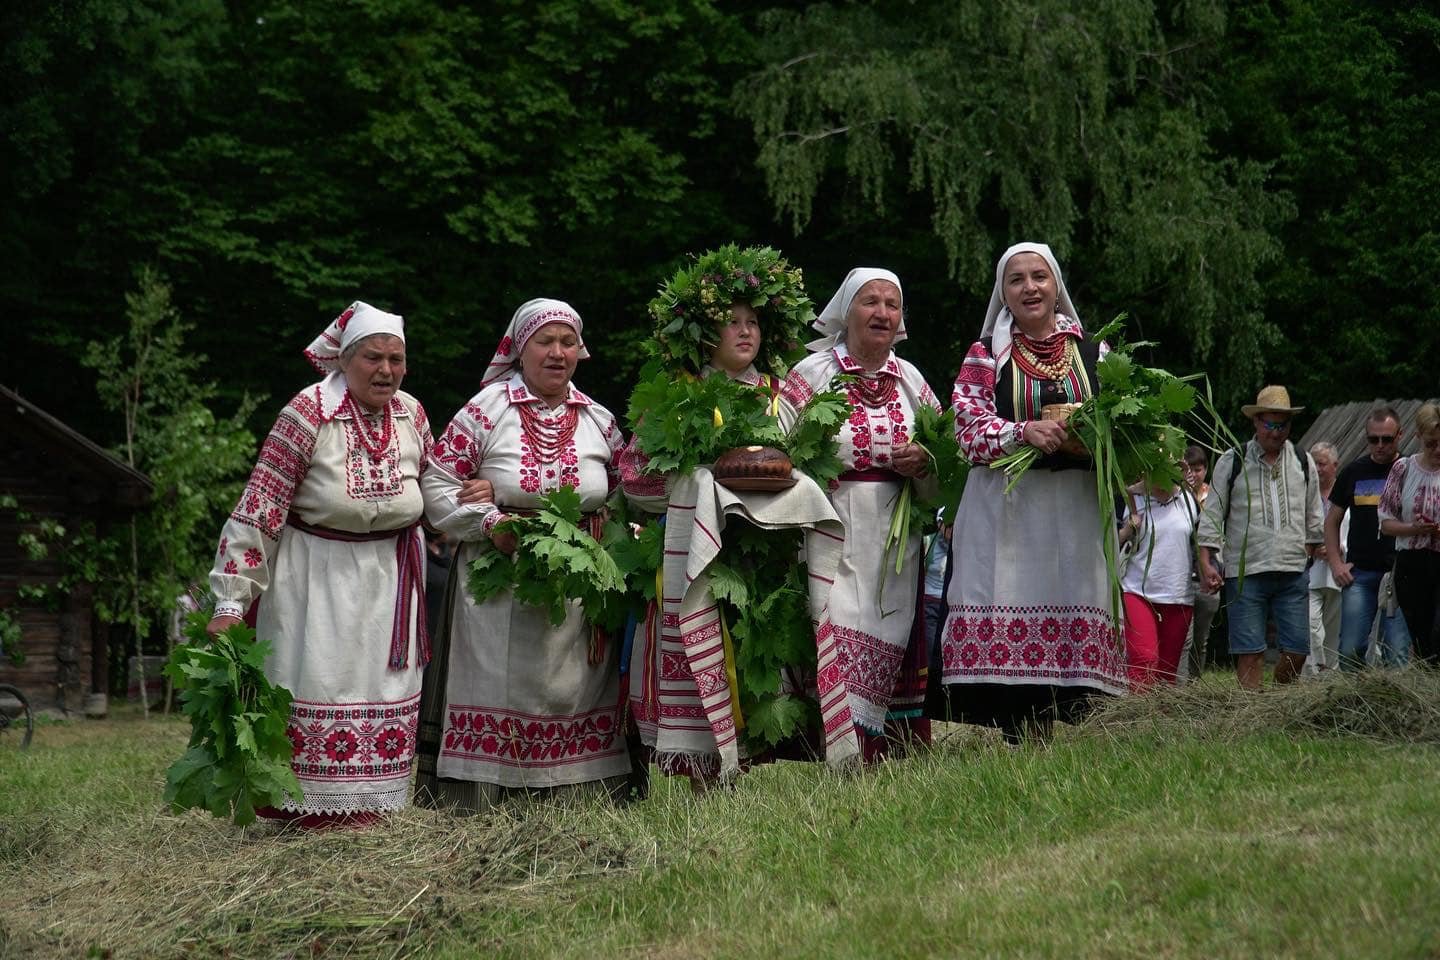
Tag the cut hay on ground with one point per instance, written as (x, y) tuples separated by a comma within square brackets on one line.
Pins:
[(1392, 706), (194, 886)]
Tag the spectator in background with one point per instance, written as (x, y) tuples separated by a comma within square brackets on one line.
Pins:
[(1158, 583), (1324, 591), (1268, 523), (937, 559), (1197, 641), (1409, 510), (1366, 554)]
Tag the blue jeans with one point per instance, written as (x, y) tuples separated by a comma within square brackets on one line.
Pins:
[(1285, 597), (1358, 604)]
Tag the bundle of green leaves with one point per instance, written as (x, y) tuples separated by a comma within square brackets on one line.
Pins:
[(811, 443), (555, 562), (763, 593), (934, 432), (693, 305), (239, 755), (1134, 427), (637, 545), (683, 422)]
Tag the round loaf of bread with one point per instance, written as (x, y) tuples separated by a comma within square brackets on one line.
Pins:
[(746, 463)]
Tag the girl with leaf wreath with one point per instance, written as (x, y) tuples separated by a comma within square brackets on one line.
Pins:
[(722, 671), (515, 701), (1031, 632), (325, 545), (878, 691)]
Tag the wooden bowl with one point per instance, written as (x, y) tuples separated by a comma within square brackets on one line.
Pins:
[(1060, 413)]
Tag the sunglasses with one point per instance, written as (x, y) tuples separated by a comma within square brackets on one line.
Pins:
[(1275, 425), (1381, 438)]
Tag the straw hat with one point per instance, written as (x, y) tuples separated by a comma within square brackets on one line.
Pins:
[(1271, 399)]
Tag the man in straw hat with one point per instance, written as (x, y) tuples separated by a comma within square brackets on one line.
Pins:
[(1264, 519)]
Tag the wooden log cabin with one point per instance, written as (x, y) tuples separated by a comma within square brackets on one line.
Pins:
[(54, 473)]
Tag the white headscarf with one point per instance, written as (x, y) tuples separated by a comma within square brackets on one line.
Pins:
[(532, 315), (832, 320), (358, 321), (998, 318)]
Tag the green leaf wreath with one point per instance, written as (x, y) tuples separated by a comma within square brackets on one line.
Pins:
[(239, 755), (694, 304), (555, 562)]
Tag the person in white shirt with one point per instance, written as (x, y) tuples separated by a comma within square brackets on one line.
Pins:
[(1158, 591)]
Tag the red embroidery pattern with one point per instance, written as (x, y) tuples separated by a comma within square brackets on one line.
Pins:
[(632, 464), (674, 665), (353, 741), (528, 328), (422, 430), (1040, 643), (282, 464), (797, 389), (367, 477), (981, 432), (537, 474), (473, 732), (458, 451), (868, 664)]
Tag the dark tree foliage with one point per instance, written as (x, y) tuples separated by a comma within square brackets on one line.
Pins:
[(446, 161), (1082, 124), (1250, 179), (1342, 101)]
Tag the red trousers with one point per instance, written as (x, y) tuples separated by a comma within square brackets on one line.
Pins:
[(1154, 636)]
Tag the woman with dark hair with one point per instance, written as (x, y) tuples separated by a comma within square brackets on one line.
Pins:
[(1031, 633), (521, 703), (1197, 642)]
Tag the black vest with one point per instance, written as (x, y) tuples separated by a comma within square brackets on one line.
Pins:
[(1051, 391)]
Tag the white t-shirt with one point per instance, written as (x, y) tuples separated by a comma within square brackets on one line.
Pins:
[(1170, 526)]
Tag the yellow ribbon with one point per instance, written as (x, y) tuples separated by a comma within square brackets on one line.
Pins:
[(729, 646)]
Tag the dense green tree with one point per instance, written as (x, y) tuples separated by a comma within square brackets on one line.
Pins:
[(1085, 125), (1342, 102), (441, 160)]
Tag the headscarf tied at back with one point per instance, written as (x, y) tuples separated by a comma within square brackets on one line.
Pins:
[(532, 315), (832, 320), (998, 318), (355, 323)]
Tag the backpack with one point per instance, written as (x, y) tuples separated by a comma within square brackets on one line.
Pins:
[(1239, 464)]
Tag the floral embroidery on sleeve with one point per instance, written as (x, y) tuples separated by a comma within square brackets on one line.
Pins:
[(284, 459), (797, 389), (458, 451)]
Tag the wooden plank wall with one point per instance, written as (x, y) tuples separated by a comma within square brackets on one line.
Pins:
[(56, 637), (1344, 426)]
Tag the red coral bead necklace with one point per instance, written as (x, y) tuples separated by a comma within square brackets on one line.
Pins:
[(375, 442)]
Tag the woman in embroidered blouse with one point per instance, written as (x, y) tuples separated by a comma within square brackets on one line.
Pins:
[(327, 530), (1410, 512), (882, 657), (1030, 632), (525, 704)]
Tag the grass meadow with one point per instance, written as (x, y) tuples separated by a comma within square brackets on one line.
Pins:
[(1302, 822)]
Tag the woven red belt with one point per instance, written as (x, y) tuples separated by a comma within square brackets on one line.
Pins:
[(873, 475), (410, 562)]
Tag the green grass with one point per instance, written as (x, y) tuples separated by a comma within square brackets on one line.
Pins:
[(1155, 841)]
